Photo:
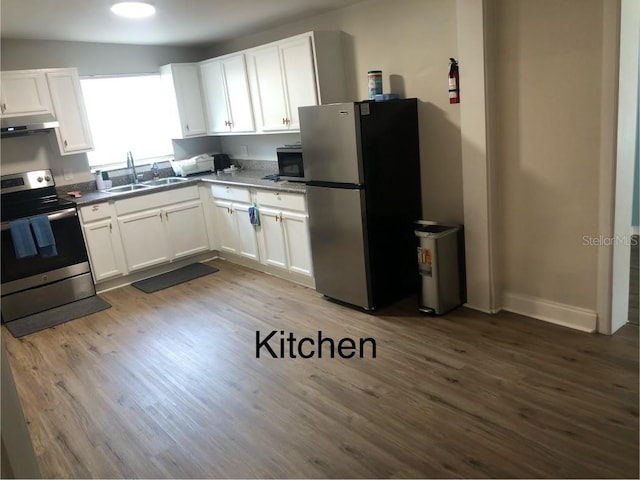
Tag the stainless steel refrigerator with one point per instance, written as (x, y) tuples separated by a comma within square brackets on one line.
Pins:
[(362, 166)]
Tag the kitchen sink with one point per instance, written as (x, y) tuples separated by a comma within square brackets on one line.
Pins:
[(127, 188), (165, 181)]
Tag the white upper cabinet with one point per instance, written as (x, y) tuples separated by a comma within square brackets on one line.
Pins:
[(268, 88), (24, 92), (283, 80), (299, 77), (260, 89), (226, 94), (74, 133), (182, 86)]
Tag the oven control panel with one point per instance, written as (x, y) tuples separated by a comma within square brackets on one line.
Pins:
[(26, 181)]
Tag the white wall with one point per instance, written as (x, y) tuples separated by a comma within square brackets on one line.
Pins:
[(91, 58), (549, 133), (411, 42), (257, 147)]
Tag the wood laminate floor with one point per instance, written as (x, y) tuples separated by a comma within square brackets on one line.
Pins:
[(168, 385)]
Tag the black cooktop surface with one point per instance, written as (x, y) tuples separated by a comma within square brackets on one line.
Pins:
[(13, 210)]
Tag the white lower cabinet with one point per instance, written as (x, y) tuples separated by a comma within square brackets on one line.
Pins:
[(274, 249), (144, 239), (235, 232), (186, 230), (247, 239), (132, 234), (160, 235), (105, 250), (128, 235), (99, 238), (285, 240), (102, 239), (296, 235), (284, 231)]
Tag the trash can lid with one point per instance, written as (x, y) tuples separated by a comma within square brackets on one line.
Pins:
[(433, 228), (434, 231)]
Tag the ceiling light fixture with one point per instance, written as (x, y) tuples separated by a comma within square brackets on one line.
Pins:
[(133, 9)]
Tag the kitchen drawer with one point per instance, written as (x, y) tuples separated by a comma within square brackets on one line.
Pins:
[(148, 201), (94, 212), (281, 200), (237, 194)]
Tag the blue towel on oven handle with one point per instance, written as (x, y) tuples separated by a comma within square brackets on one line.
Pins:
[(44, 236), (23, 243)]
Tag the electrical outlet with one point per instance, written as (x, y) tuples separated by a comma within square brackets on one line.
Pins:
[(68, 174), (244, 151)]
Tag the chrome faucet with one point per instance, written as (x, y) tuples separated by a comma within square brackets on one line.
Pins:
[(132, 166)]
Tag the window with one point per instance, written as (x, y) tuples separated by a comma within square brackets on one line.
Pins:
[(126, 114)]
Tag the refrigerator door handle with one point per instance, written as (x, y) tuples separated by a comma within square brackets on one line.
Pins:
[(345, 186)]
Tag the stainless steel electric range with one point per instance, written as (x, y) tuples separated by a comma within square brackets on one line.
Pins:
[(40, 278)]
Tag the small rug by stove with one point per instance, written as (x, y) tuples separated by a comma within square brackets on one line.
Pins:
[(175, 277), (56, 316)]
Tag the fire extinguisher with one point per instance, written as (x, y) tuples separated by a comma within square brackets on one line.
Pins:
[(454, 81)]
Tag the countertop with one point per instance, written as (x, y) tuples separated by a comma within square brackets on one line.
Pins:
[(244, 178)]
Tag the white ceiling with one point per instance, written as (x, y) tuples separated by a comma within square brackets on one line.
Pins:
[(176, 22)]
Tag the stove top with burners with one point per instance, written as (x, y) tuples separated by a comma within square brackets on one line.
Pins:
[(15, 210)]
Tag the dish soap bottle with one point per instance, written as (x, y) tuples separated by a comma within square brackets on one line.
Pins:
[(155, 170), (100, 181)]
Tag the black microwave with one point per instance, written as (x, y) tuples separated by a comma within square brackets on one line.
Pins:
[(290, 166)]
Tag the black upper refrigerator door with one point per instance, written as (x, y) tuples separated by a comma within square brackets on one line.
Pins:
[(331, 143)]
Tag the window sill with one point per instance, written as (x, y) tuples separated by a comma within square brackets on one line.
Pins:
[(141, 165)]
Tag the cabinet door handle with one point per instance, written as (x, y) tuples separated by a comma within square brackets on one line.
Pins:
[(166, 215), (287, 121), (281, 218), (284, 121), (4, 106), (66, 144), (110, 227), (161, 217), (187, 126)]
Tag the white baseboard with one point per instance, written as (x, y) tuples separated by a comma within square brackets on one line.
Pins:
[(276, 272), (480, 309), (561, 314)]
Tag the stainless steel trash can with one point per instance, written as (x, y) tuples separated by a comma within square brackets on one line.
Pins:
[(441, 265)]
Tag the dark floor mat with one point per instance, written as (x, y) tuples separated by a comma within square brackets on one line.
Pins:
[(175, 277), (50, 318)]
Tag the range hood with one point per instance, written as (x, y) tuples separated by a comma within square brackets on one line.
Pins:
[(25, 125)]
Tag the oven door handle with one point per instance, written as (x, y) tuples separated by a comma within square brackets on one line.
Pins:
[(69, 212)]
